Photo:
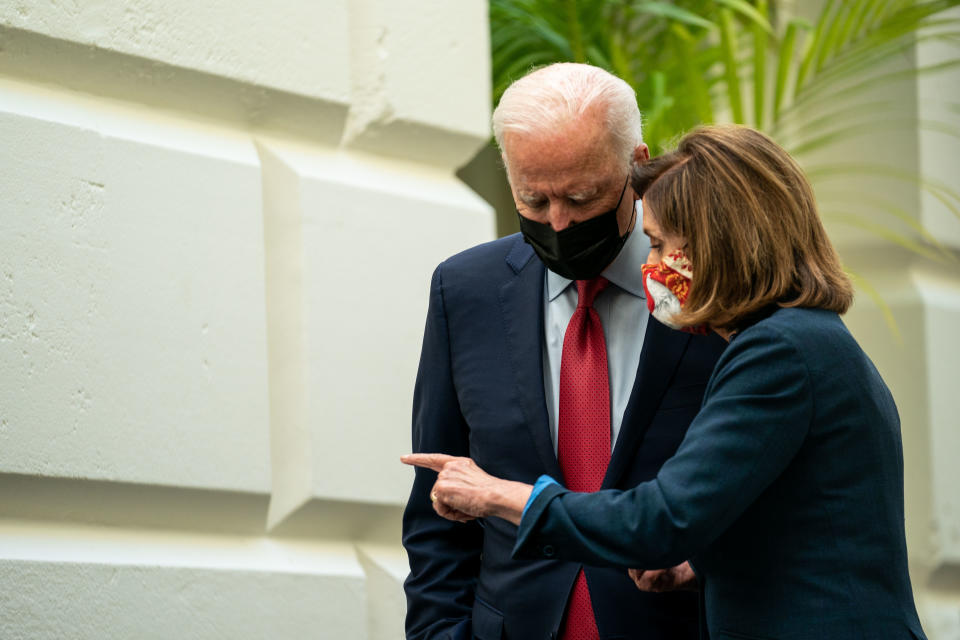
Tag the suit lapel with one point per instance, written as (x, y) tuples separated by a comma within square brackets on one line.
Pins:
[(662, 351), (521, 301)]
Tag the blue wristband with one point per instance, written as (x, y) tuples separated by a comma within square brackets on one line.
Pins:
[(542, 483)]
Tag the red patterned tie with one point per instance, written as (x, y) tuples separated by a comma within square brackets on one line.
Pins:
[(583, 433)]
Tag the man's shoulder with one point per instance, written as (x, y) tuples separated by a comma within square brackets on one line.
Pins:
[(503, 255)]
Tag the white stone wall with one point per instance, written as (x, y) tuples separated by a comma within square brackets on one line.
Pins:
[(938, 288), (217, 226)]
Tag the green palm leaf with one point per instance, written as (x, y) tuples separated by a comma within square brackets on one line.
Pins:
[(882, 231), (948, 196), (864, 285), (676, 14), (869, 127), (884, 206)]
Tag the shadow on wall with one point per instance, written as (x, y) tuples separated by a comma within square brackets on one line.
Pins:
[(485, 175), (124, 504)]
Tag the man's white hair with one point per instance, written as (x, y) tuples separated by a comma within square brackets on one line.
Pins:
[(551, 97)]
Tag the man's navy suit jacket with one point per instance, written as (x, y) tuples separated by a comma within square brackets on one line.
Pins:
[(786, 495), (480, 393)]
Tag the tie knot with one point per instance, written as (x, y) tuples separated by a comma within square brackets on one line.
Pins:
[(588, 290)]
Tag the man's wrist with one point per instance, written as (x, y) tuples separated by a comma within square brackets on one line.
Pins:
[(509, 500)]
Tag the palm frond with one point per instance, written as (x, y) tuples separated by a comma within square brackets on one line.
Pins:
[(754, 15), (760, 44), (854, 197), (731, 66), (948, 196), (785, 57), (676, 14), (869, 127), (864, 285), (881, 231), (884, 79), (811, 50)]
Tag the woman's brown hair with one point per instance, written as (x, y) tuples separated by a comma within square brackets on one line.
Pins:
[(750, 220)]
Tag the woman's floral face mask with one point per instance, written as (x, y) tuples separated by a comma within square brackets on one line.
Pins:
[(667, 286)]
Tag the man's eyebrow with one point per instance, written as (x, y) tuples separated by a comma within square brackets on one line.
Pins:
[(529, 196), (583, 194)]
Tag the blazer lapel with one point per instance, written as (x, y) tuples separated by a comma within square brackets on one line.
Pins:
[(662, 351), (521, 300)]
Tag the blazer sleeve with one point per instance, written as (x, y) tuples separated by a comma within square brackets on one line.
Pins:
[(444, 556), (756, 415)]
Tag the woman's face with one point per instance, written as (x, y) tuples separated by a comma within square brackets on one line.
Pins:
[(660, 243)]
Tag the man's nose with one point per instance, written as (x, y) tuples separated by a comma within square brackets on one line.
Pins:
[(560, 217)]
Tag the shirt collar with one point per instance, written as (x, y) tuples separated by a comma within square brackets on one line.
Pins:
[(624, 271)]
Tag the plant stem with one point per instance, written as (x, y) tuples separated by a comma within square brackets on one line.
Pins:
[(576, 34), (728, 41)]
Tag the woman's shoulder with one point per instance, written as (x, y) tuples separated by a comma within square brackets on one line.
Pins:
[(790, 348), (806, 331), (799, 320)]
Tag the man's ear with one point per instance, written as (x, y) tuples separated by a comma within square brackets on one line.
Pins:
[(641, 153)]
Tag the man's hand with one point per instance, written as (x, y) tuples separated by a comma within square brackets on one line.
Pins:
[(463, 491), (678, 578)]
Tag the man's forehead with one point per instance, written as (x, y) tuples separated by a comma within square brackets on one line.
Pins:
[(574, 141), (564, 171)]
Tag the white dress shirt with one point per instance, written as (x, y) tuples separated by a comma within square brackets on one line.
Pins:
[(622, 308)]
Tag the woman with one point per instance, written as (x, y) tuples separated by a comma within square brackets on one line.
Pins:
[(787, 493)]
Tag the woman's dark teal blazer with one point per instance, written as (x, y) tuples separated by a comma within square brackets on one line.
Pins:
[(786, 495)]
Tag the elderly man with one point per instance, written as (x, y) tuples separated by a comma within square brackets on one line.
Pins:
[(539, 357)]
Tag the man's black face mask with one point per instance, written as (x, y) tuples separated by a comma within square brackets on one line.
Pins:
[(581, 251)]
